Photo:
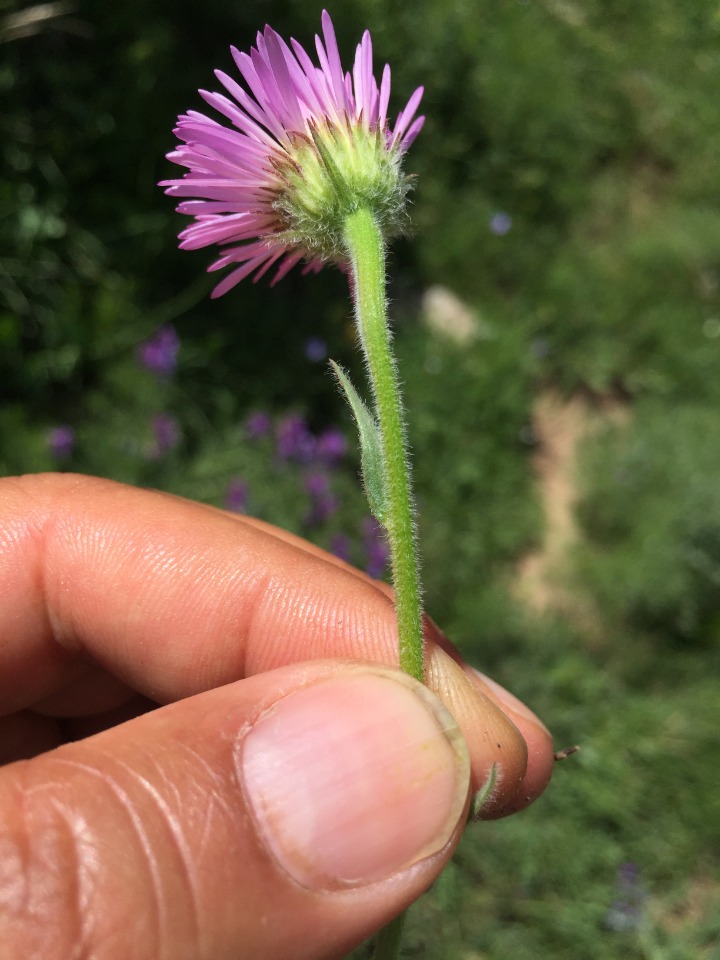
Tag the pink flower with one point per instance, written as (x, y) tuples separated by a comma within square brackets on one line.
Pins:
[(306, 146)]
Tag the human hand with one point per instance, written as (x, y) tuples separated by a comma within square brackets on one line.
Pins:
[(225, 760)]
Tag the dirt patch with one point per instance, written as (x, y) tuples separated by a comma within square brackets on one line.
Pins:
[(698, 909), (560, 424)]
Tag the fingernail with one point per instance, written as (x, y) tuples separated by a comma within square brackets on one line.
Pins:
[(510, 702), (355, 778)]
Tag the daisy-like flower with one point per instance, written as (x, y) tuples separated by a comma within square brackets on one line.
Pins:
[(308, 146)]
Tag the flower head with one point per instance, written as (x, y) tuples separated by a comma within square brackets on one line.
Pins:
[(315, 349), (294, 440), (159, 353), (237, 495), (258, 424), (308, 145), (332, 446), (626, 911), (500, 223), (61, 442), (166, 435)]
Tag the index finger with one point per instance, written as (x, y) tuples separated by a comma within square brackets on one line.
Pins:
[(175, 598), (170, 596)]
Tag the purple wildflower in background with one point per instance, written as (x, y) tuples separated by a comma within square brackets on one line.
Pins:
[(61, 442), (159, 353), (626, 911), (258, 424), (340, 546), (321, 510), (377, 551), (317, 484), (293, 439), (500, 224), (315, 349), (166, 435), (324, 503), (236, 496), (275, 186), (331, 446)]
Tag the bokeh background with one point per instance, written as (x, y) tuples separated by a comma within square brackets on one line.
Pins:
[(557, 317)]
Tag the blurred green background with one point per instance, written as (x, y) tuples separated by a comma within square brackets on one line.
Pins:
[(564, 410)]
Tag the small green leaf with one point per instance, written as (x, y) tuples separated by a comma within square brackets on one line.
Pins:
[(370, 446)]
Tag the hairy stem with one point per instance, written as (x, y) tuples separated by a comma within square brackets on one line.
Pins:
[(367, 257)]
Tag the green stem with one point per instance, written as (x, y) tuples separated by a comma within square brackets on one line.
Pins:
[(367, 257)]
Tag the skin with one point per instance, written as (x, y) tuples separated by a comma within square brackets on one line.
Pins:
[(138, 633)]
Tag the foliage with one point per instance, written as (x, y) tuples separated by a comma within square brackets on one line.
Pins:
[(651, 514), (476, 503)]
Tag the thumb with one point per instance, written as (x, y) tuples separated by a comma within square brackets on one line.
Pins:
[(289, 814)]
